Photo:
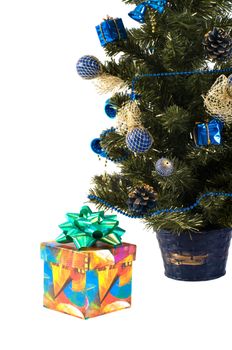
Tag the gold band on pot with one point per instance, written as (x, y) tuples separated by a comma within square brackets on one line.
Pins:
[(186, 259)]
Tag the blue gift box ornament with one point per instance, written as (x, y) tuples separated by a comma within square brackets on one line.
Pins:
[(208, 133), (111, 30)]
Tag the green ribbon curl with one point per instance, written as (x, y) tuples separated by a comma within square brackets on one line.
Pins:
[(86, 228)]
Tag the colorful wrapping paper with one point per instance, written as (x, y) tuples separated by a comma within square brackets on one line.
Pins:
[(89, 282)]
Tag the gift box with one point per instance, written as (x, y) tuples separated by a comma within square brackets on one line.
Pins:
[(111, 30), (208, 133), (88, 282)]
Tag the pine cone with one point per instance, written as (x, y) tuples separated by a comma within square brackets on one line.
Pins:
[(142, 199), (218, 44)]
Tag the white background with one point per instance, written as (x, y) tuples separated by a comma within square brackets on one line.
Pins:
[(48, 118)]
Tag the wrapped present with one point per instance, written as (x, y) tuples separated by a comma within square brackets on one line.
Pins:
[(88, 271), (208, 133), (88, 282), (111, 30)]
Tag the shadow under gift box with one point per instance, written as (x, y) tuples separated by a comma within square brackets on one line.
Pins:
[(88, 282)]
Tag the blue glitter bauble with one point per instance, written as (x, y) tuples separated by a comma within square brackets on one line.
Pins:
[(164, 167), (97, 148), (139, 140), (110, 109), (89, 67)]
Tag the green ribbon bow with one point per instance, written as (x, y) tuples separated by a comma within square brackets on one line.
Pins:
[(85, 228)]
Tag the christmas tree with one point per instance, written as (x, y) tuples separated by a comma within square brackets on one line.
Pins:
[(172, 137)]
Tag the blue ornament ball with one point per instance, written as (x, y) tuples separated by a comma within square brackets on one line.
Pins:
[(97, 148), (139, 140), (110, 109), (89, 67), (164, 167), (229, 85), (229, 81)]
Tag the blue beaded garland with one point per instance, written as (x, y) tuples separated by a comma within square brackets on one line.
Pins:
[(163, 74), (88, 67), (164, 167), (97, 148), (139, 140), (107, 131), (157, 212)]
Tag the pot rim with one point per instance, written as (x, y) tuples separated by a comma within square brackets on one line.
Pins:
[(193, 233)]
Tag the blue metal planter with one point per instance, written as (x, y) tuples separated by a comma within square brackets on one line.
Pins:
[(197, 256)]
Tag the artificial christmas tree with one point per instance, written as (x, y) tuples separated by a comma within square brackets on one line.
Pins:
[(168, 66)]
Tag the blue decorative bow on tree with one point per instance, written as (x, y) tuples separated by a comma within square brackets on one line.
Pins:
[(138, 14)]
